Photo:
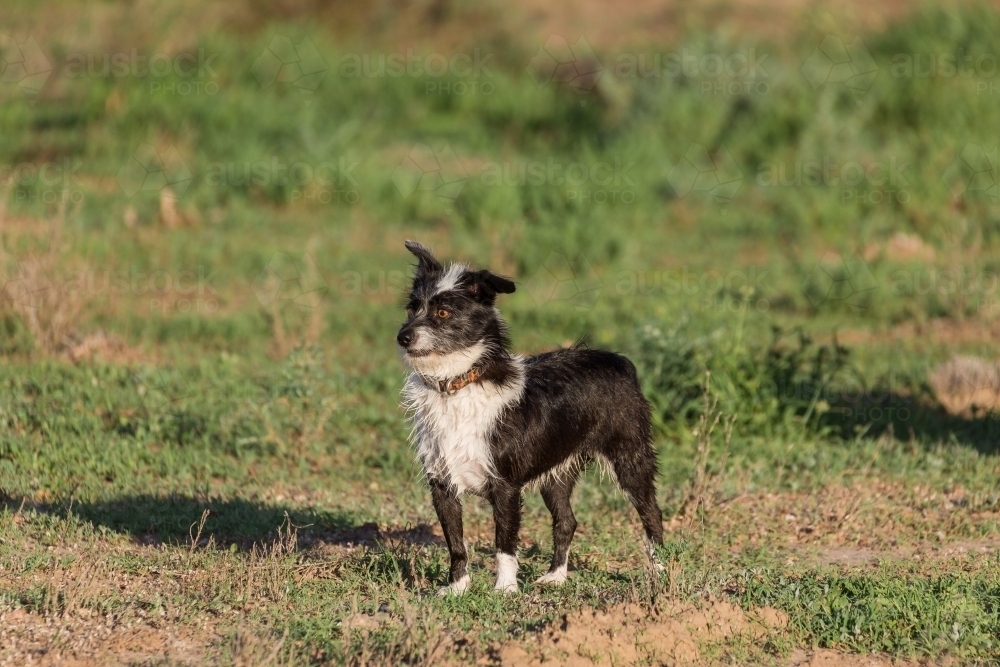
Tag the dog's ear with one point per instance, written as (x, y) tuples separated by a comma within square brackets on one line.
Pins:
[(428, 263), (485, 286)]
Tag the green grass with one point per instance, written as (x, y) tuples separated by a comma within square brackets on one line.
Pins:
[(273, 406)]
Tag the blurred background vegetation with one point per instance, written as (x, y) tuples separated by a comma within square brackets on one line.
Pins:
[(790, 210), (802, 203)]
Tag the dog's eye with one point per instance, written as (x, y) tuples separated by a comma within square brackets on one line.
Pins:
[(443, 313)]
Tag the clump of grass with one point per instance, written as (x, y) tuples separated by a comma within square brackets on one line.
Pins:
[(31, 290), (705, 483), (257, 647), (267, 571), (409, 636), (946, 613), (294, 302), (771, 390), (68, 588)]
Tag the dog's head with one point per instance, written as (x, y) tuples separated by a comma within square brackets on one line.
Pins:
[(451, 319)]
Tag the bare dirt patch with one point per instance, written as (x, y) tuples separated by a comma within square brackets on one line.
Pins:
[(87, 638), (609, 24), (678, 634), (84, 605), (630, 634), (901, 247), (827, 658), (104, 348), (92, 613), (928, 551)]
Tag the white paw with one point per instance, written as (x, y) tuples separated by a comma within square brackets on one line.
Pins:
[(555, 577), (506, 573), (506, 586), (456, 588), (653, 560)]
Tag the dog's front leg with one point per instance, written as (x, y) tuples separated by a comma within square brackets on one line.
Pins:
[(506, 500), (449, 513)]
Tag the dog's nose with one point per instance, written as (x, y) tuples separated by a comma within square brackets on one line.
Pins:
[(404, 338)]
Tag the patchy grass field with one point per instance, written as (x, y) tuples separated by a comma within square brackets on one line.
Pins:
[(202, 457)]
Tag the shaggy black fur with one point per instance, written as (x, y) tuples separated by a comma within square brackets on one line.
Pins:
[(577, 405)]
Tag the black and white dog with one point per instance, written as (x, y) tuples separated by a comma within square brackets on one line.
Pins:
[(489, 422)]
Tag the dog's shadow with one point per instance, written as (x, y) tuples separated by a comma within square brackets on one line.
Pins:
[(184, 520)]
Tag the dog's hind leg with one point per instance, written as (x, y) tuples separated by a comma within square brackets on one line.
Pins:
[(556, 493), (506, 501), (634, 465), (449, 512)]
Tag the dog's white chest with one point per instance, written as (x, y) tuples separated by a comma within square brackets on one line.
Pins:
[(452, 432)]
